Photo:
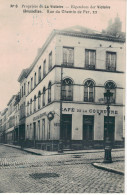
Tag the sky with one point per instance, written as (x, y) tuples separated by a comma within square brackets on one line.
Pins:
[(23, 33)]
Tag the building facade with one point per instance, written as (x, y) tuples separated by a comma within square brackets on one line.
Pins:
[(74, 69)]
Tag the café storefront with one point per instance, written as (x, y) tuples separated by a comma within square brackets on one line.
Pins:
[(83, 126)]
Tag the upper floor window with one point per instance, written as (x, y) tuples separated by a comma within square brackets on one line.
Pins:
[(67, 89), (22, 91), (31, 83), (28, 87), (68, 56), (112, 87), (89, 91), (111, 61), (90, 59), (44, 68), (50, 60), (44, 96), (24, 88), (35, 79), (34, 103), (39, 100), (39, 74), (27, 108), (31, 106), (49, 92)]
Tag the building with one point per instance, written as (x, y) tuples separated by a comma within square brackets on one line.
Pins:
[(74, 69)]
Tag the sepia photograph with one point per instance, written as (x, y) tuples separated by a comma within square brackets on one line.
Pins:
[(62, 96)]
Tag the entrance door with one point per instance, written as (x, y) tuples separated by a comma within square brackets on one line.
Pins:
[(88, 125), (66, 127), (34, 131), (109, 132)]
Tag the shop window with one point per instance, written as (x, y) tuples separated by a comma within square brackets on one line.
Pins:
[(34, 103), (39, 100), (39, 74), (44, 90), (90, 59), (68, 56), (111, 61), (50, 60), (35, 79), (44, 68), (43, 129), (38, 130), (89, 91), (112, 87), (88, 127), (49, 92), (67, 90)]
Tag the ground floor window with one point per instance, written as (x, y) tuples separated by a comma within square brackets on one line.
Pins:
[(43, 129), (88, 127)]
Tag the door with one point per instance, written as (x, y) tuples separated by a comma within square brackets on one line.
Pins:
[(109, 127), (66, 127), (34, 131), (88, 126)]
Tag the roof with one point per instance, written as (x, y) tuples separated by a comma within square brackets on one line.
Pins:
[(11, 99)]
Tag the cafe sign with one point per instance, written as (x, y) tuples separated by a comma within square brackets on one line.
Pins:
[(92, 111)]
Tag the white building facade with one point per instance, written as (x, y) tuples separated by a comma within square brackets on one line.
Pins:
[(91, 64)]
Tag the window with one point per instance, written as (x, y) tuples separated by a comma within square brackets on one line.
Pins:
[(31, 106), (111, 61), (31, 83), (67, 89), (44, 68), (89, 91), (27, 108), (112, 87), (39, 100), (39, 74), (34, 103), (28, 87), (90, 59), (24, 88), (44, 96), (68, 56), (49, 92), (38, 130), (50, 60), (22, 91), (43, 129), (35, 79)]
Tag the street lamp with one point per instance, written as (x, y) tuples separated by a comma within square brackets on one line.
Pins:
[(108, 157)]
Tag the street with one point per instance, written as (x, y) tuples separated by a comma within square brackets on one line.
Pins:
[(69, 173)]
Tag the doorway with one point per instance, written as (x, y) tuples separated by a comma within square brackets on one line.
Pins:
[(66, 127), (109, 132), (88, 126), (34, 131)]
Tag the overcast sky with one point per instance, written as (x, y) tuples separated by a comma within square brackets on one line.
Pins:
[(22, 34)]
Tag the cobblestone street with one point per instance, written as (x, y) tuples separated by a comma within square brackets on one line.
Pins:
[(23, 172)]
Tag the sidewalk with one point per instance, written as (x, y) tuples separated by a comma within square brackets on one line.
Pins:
[(49, 153), (115, 167)]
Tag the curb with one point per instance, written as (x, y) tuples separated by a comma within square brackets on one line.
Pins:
[(23, 150), (107, 169)]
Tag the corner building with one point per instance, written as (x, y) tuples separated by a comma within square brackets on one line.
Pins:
[(91, 64)]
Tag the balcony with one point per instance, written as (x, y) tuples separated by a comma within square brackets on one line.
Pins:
[(90, 67)]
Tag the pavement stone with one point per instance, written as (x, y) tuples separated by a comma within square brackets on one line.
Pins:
[(76, 173)]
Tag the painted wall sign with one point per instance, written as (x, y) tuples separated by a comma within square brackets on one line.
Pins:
[(39, 116), (89, 110)]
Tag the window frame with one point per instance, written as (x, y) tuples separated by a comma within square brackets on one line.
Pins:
[(90, 66), (66, 90), (110, 68), (67, 63), (88, 91)]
